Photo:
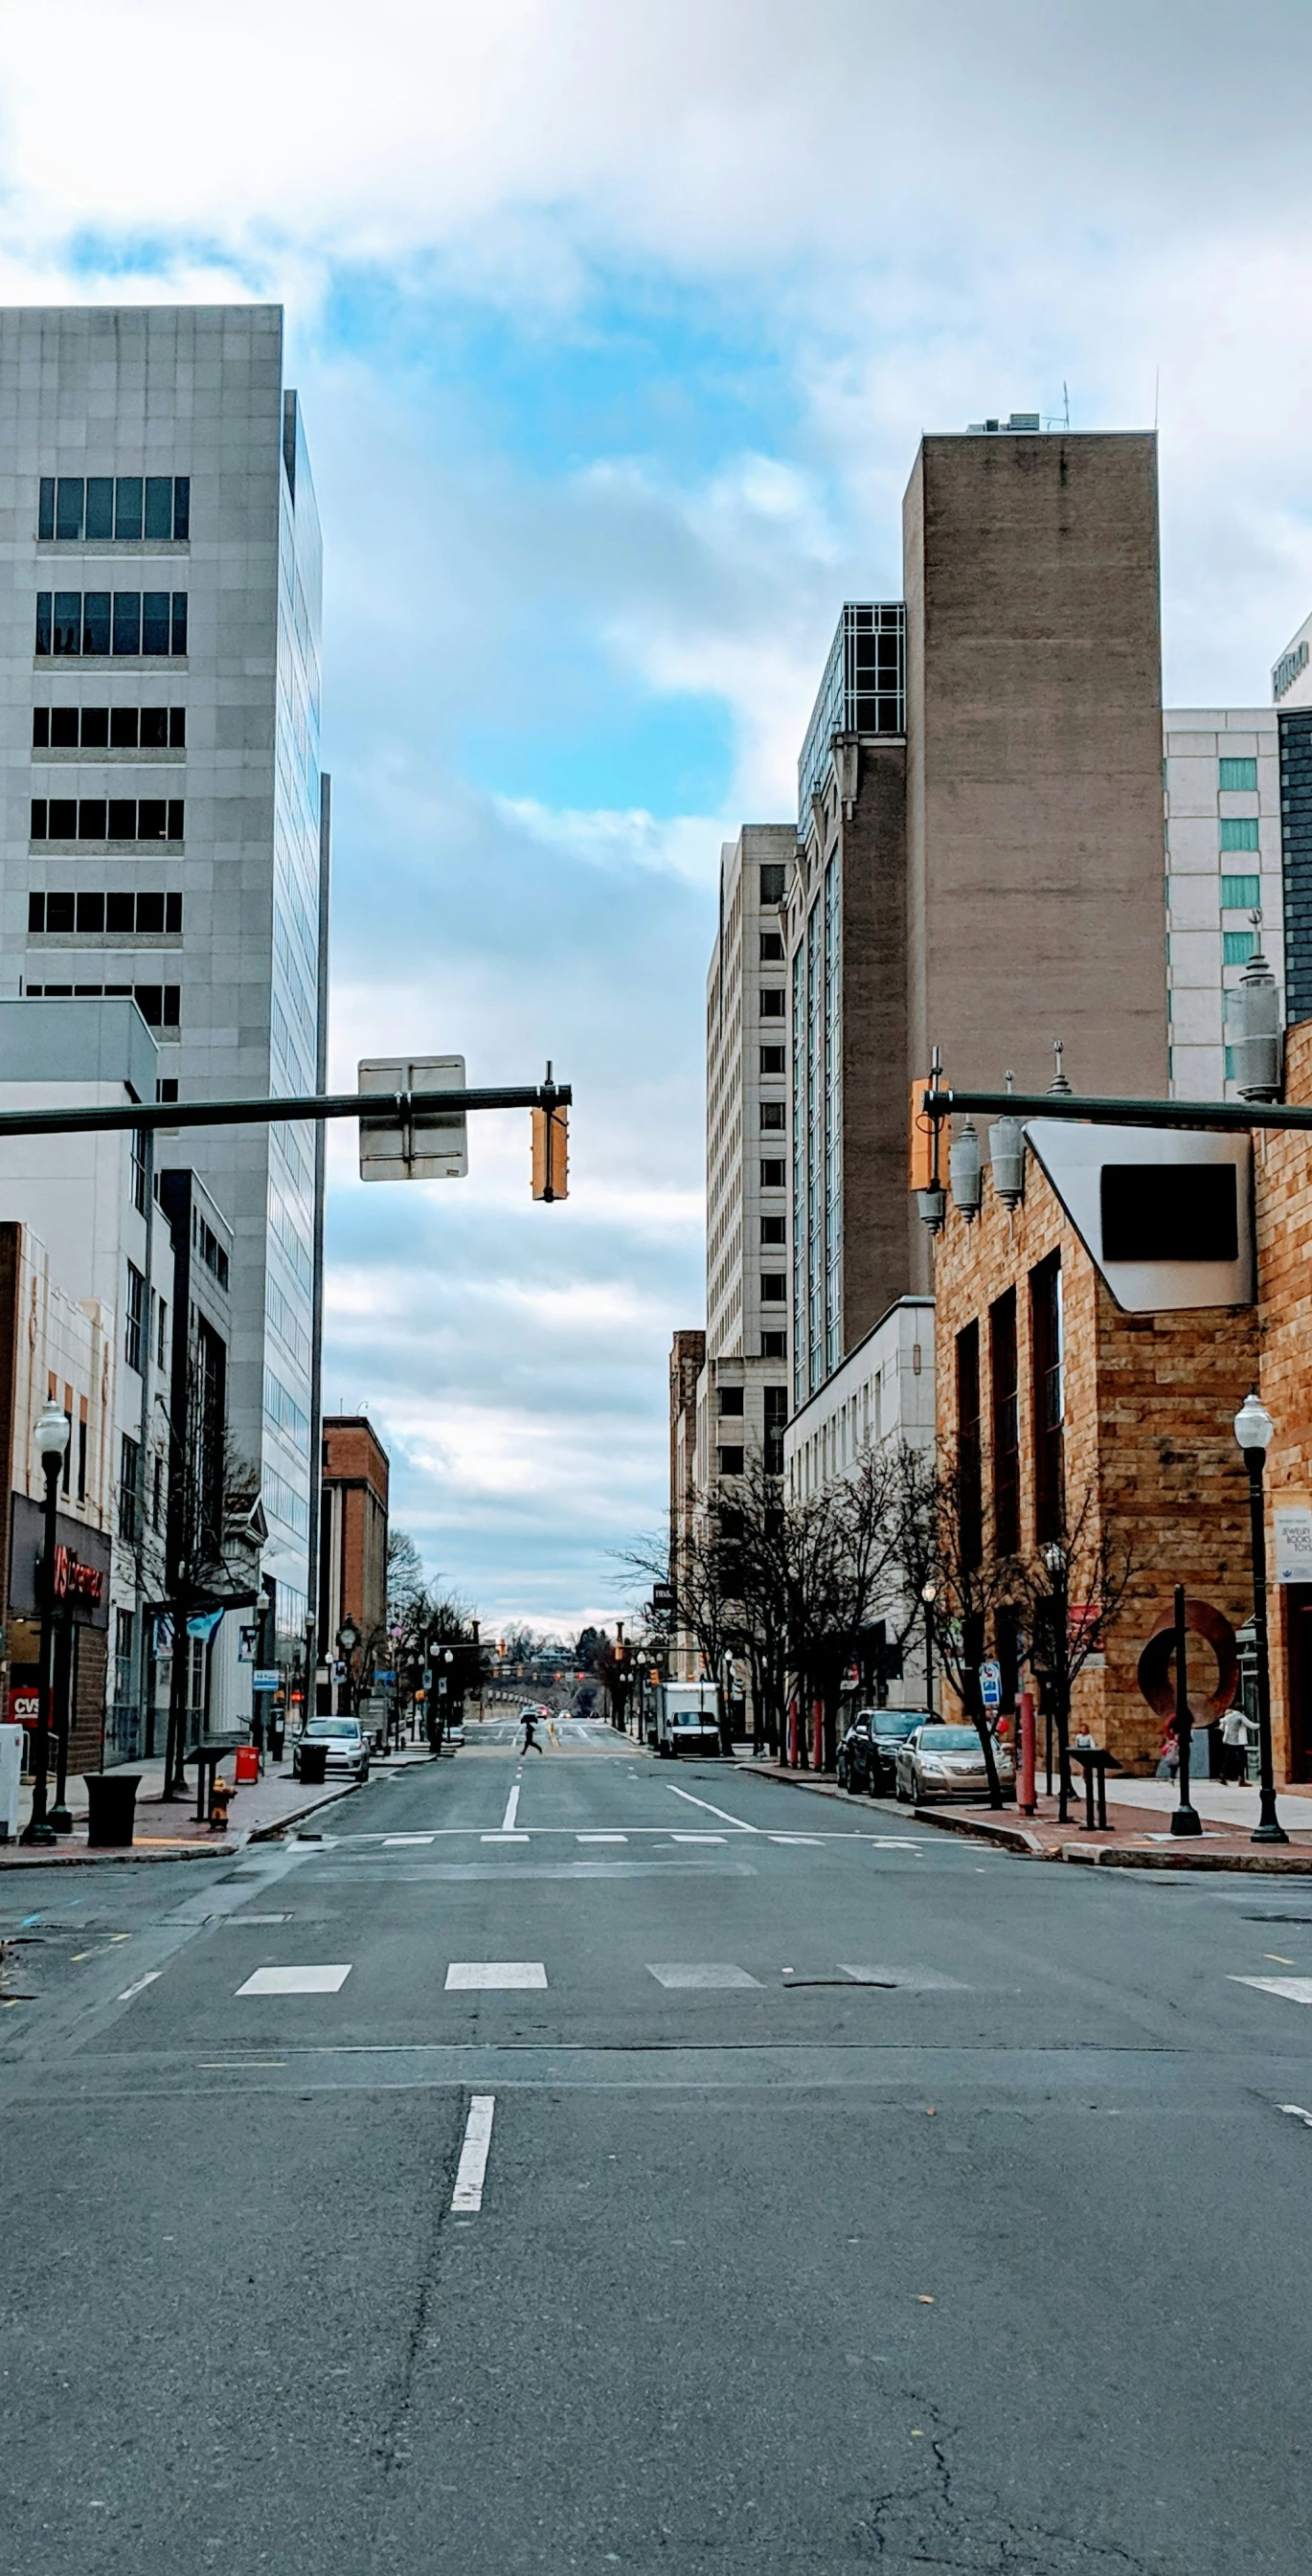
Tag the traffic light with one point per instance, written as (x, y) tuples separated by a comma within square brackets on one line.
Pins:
[(550, 1154)]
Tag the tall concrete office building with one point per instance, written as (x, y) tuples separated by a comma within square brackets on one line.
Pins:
[(743, 1391), (1221, 770), (164, 820)]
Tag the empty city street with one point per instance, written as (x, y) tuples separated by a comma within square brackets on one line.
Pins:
[(586, 2161)]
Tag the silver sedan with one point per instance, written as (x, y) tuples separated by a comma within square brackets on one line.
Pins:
[(946, 1762)]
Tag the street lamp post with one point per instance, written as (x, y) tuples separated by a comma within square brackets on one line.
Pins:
[(1255, 1431), (51, 1441), (929, 1595), (348, 1638)]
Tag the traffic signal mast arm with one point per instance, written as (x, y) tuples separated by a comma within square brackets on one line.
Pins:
[(373, 1105), (1113, 1113)]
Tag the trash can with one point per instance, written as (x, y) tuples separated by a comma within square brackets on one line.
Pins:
[(247, 1762), (314, 1765), (111, 1807)]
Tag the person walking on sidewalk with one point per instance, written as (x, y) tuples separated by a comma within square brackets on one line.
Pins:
[(1234, 1743), (1168, 1760)]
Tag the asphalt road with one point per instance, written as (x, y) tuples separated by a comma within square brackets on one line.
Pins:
[(831, 2195)]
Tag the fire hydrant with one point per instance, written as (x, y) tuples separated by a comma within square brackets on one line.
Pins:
[(219, 1797)]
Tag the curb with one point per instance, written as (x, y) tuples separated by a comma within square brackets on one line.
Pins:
[(1013, 1838), (84, 1859), (1274, 1864)]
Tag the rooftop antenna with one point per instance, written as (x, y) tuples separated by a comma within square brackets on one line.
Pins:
[(1059, 1081), (1066, 400)]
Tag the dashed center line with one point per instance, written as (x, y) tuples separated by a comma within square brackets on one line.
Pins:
[(472, 2168), (512, 1809)]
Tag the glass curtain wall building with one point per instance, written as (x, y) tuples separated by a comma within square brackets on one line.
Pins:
[(165, 816)]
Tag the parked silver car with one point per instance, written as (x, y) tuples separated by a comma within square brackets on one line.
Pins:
[(946, 1762), (344, 1744)]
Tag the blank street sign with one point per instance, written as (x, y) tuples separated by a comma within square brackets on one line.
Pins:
[(433, 1146)]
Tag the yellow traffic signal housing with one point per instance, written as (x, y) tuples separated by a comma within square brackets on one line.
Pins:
[(550, 1154)]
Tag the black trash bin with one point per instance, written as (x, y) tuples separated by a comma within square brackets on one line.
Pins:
[(314, 1765), (111, 1807)]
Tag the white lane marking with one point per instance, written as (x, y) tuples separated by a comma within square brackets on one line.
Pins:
[(140, 1987), (468, 2193), (488, 1976), (1295, 2111), (705, 1972), (503, 1838), (512, 1809), (601, 1838), (399, 1842), (296, 1981), (916, 1981), (720, 1839), (1297, 1990), (721, 1812), (812, 1841)]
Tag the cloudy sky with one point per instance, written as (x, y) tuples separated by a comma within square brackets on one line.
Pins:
[(616, 326)]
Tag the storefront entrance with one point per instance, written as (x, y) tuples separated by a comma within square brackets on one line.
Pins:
[(1297, 1599)]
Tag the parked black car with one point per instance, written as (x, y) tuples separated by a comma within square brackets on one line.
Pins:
[(868, 1753)]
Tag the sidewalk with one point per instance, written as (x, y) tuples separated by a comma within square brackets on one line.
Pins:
[(1137, 1834), (257, 1811)]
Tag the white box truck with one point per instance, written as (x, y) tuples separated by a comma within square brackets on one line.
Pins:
[(686, 1719)]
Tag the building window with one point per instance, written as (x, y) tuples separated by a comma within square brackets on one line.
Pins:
[(109, 509), (1005, 1407), (1238, 777), (772, 1178), (773, 874), (774, 1117), (90, 916), (1237, 947), (286, 1415), (109, 728), (211, 1251), (116, 818), (134, 1318), (1047, 1395), (139, 1171), (773, 1229), (776, 1416), (772, 948), (732, 1399), (159, 1004), (772, 1001), (730, 1461), (1240, 894), (96, 622), (129, 1485), (82, 1454), (774, 1288), (774, 1346), (970, 1496), (157, 1496), (124, 1638), (772, 1061), (1239, 831), (162, 1337)]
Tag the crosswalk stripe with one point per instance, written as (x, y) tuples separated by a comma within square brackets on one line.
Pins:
[(399, 1842), (1296, 1990), (491, 1976), (705, 1972), (601, 1838), (721, 1839), (296, 1981)]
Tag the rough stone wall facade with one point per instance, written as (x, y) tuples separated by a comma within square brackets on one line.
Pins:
[(1149, 1408)]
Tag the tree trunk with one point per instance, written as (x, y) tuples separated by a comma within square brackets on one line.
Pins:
[(980, 1719)]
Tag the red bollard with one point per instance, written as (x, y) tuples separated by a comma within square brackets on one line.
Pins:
[(1025, 1792)]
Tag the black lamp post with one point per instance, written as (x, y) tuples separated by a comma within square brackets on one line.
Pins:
[(1186, 1819), (348, 1638), (51, 1441), (1255, 1431)]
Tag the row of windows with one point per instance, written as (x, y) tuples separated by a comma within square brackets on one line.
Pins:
[(283, 1411), (285, 1504), (107, 818), (157, 1003), (90, 916), (210, 1249), (109, 728), (102, 621), (122, 508)]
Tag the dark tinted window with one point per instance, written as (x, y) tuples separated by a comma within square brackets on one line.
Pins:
[(91, 912), (122, 818), (772, 883), (127, 506), (59, 912), (151, 816), (159, 505), (772, 1229), (68, 621), (45, 521), (63, 728), (127, 621), (68, 506), (155, 621), (63, 818), (95, 622), (100, 506), (175, 818), (773, 1114), (154, 728), (1169, 1212), (177, 728), (182, 505), (36, 912), (150, 913), (173, 912), (123, 728), (40, 728), (91, 818), (43, 621), (118, 912), (179, 621), (95, 728)]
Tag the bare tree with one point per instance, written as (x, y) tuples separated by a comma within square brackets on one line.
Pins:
[(1073, 1588)]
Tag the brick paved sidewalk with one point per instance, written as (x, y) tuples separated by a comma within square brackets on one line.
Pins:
[(169, 1831)]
